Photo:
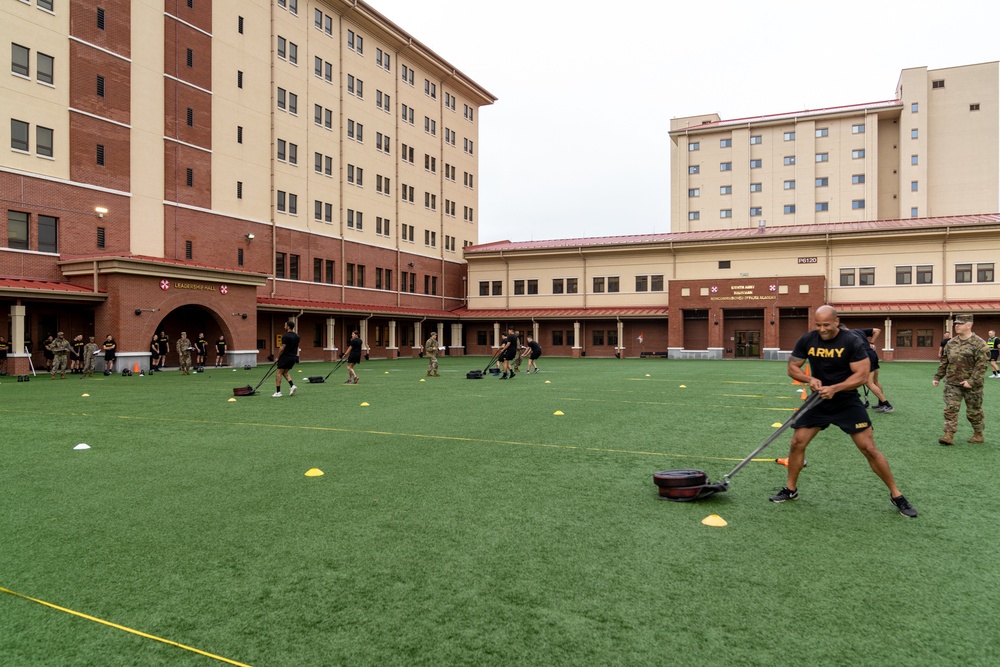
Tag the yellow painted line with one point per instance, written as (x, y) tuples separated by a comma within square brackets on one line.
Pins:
[(123, 628), (420, 436)]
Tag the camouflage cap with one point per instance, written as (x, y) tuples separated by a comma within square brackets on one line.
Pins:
[(963, 319)]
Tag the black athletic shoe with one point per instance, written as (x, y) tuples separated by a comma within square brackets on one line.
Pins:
[(904, 507), (787, 494), (887, 407)]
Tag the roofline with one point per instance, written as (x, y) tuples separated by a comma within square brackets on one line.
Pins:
[(883, 105)]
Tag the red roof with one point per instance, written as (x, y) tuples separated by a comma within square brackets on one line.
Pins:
[(43, 286), (912, 307), (776, 232), (543, 313), (309, 304)]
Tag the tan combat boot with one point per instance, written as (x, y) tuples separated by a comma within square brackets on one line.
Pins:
[(947, 438), (976, 437)]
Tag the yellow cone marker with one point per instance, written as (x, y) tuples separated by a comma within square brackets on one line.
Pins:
[(300, 371), (684, 386), (386, 373), (711, 520), (558, 412), (84, 395), (548, 382), (364, 405), (314, 472), (423, 380), (647, 374), (231, 400), (776, 425)]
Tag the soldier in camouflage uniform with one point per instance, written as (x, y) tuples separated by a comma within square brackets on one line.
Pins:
[(431, 350), (89, 358), (963, 367), (184, 353), (59, 348)]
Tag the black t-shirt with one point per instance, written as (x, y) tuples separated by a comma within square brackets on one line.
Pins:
[(201, 345), (220, 346), (534, 347), (354, 354), (830, 360), (291, 342)]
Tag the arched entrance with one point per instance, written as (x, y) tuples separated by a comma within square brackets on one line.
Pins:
[(193, 319)]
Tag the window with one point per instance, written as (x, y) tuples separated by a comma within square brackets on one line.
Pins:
[(598, 285), (613, 284), (497, 287), (963, 273), (857, 179), (694, 146), (789, 208), (914, 160), (755, 139), (725, 143), (857, 204), (20, 60), (789, 185), (725, 166), (925, 275), (19, 135), (973, 107), (533, 287), (280, 201), (725, 264), (694, 215), (904, 275), (725, 190), (847, 277), (914, 134), (469, 112), (43, 141), (725, 213), (694, 169), (904, 338), (914, 186), (756, 211), (598, 337), (822, 182), (17, 230), (484, 288), (984, 272), (694, 192), (822, 132), (48, 234), (866, 275), (822, 157), (382, 59), (937, 84), (557, 338), (789, 159), (789, 136), (46, 69), (914, 107), (45, 4), (822, 206), (281, 148), (756, 164), (558, 285), (858, 153), (858, 129), (430, 89), (756, 187)]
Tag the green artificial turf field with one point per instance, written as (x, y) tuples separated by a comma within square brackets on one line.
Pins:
[(463, 522)]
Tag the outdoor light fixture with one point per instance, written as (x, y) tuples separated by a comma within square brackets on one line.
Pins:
[(250, 237), (139, 311), (100, 211)]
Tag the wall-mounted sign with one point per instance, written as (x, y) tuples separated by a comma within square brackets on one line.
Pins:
[(808, 260)]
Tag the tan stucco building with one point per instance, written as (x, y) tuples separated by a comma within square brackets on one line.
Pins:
[(223, 166)]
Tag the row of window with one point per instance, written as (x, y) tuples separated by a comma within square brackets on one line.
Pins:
[(787, 209), (602, 284), (45, 238), (286, 267), (787, 160), (984, 273), (856, 179), (757, 139)]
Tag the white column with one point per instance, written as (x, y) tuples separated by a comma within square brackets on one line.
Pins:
[(620, 348), (17, 330), (331, 344), (363, 332), (496, 336), (392, 335), (576, 336)]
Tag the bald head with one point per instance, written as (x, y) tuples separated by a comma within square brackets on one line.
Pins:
[(826, 322), (826, 311)]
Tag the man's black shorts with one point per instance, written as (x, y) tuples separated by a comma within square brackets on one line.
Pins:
[(994, 355), (845, 410), (286, 363)]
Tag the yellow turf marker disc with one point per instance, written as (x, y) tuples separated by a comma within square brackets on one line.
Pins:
[(558, 413), (84, 395), (314, 472), (714, 520), (364, 405)]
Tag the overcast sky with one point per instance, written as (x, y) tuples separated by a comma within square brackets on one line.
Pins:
[(577, 143)]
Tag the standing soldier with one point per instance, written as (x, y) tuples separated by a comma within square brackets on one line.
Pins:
[(963, 367), (201, 345), (220, 352), (184, 353), (994, 345), (76, 355), (89, 358), (431, 350), (59, 348), (164, 349), (110, 353), (47, 353)]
